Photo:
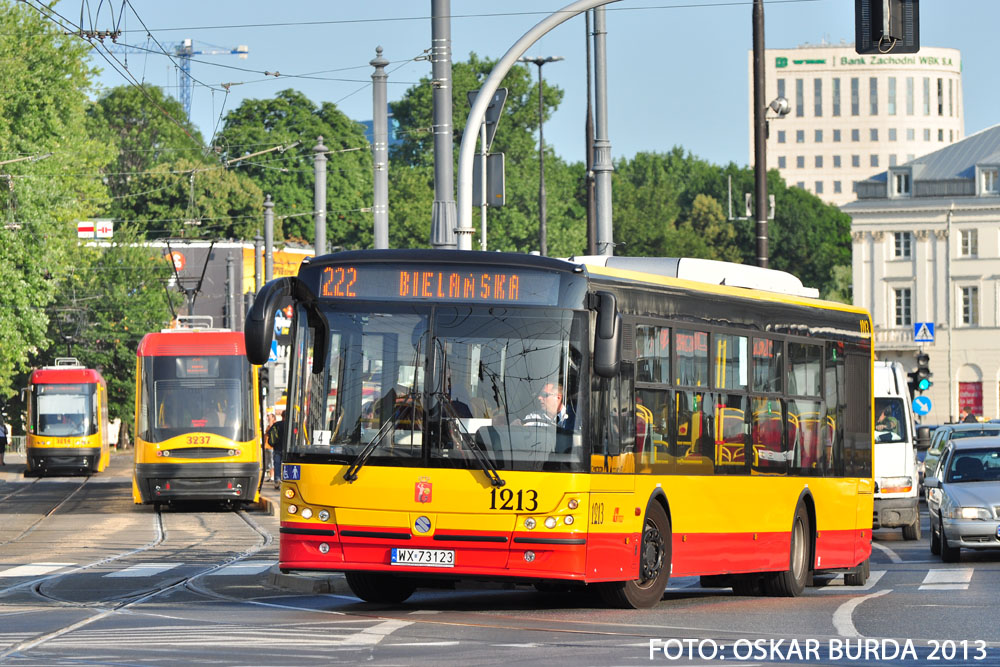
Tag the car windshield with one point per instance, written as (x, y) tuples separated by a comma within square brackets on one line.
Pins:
[(426, 383), (974, 465), (890, 422)]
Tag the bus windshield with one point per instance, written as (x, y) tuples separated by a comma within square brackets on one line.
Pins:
[(63, 410), (426, 384), (196, 395)]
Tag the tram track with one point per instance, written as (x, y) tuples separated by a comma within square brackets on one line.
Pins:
[(37, 522), (109, 606)]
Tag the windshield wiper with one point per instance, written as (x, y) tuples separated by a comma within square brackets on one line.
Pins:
[(469, 443), (387, 425)]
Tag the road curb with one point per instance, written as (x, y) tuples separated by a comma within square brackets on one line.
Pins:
[(305, 583)]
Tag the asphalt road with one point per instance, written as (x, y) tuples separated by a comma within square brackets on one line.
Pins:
[(88, 578)]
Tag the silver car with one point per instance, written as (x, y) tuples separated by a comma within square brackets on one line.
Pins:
[(963, 497)]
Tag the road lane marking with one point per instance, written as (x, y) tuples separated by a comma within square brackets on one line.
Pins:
[(373, 635), (144, 570), (837, 585), (842, 622), (34, 569), (244, 568), (893, 556), (950, 579)]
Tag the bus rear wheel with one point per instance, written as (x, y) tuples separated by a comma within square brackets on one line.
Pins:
[(791, 582), (380, 588), (654, 566)]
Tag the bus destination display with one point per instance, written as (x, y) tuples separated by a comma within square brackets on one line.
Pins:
[(452, 284)]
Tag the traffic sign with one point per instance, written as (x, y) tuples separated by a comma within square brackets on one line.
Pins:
[(493, 112), (922, 405), (923, 332), (274, 351)]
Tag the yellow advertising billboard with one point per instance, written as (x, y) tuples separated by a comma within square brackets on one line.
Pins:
[(286, 263)]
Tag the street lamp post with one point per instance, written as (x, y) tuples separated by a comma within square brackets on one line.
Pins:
[(542, 232)]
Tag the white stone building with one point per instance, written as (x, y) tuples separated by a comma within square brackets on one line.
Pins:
[(853, 115), (926, 248)]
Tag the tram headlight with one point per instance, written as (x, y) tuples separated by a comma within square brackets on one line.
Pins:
[(233, 452), (323, 515), (306, 513), (573, 503), (550, 522), (292, 509)]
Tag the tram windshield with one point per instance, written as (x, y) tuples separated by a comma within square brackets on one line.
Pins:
[(64, 410), (208, 394), (422, 385)]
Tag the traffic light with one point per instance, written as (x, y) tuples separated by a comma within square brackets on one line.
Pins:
[(922, 376)]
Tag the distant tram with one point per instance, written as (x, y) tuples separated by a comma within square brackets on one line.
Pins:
[(197, 418), (67, 419)]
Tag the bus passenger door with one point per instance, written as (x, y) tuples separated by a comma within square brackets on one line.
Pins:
[(614, 527)]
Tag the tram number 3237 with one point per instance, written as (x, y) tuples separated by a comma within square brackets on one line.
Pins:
[(519, 501)]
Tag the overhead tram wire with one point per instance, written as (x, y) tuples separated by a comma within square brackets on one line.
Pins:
[(115, 64), (396, 19)]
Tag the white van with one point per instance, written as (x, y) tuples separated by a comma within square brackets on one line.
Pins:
[(894, 460)]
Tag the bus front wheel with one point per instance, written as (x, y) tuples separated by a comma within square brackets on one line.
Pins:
[(654, 565), (380, 588)]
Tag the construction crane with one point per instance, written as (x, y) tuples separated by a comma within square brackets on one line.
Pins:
[(183, 52)]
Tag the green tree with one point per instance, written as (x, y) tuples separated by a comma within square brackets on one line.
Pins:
[(46, 81), (114, 295), (190, 199), (147, 128), (290, 120), (513, 227)]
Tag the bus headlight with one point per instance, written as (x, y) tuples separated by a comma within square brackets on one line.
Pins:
[(292, 509), (306, 513), (550, 522), (289, 493), (323, 515), (529, 523), (573, 503), (569, 520)]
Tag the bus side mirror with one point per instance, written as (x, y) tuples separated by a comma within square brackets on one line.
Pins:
[(607, 337), (258, 329)]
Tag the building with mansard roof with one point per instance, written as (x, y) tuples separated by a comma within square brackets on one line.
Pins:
[(926, 251)]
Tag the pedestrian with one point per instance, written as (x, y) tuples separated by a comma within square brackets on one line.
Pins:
[(268, 450), (969, 417), (3, 441), (276, 437)]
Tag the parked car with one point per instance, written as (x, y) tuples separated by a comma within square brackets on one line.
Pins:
[(963, 497), (945, 433)]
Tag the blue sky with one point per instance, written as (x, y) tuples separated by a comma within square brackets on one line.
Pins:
[(677, 69)]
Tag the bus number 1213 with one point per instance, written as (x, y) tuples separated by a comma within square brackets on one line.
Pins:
[(526, 501)]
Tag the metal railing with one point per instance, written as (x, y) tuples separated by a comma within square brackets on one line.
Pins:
[(15, 444)]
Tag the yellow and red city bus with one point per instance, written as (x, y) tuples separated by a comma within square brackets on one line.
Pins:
[(677, 450), (197, 419), (67, 424)]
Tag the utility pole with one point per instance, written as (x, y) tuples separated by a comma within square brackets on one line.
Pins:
[(759, 133), (268, 239), (543, 245), (443, 214), (602, 145), (380, 148), (589, 138), (319, 196), (258, 244)]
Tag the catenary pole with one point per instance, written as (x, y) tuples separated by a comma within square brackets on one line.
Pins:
[(380, 147), (443, 220), (319, 195), (759, 133)]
